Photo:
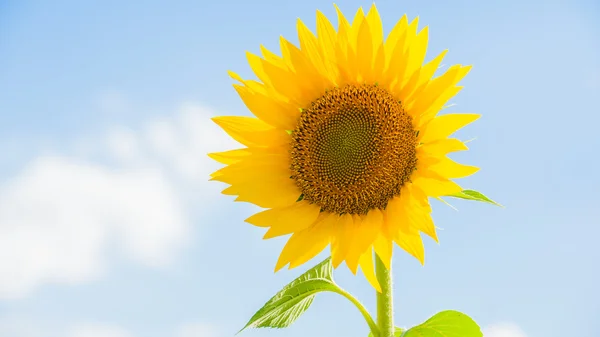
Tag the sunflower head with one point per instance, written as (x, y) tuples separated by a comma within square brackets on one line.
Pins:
[(346, 145)]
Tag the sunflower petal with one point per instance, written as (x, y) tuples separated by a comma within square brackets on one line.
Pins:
[(272, 57), (364, 52), (310, 47), (437, 87), (277, 114), (368, 269), (396, 37), (306, 244), (412, 243), (443, 126), (342, 241), (368, 227), (286, 220), (229, 157), (327, 41), (252, 131), (451, 169), (375, 25), (418, 49), (359, 17), (268, 193), (436, 188), (444, 146), (383, 248), (395, 217)]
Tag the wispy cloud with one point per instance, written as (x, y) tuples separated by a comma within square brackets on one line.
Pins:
[(60, 214)]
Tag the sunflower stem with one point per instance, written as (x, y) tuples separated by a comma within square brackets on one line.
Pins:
[(385, 312), (361, 308)]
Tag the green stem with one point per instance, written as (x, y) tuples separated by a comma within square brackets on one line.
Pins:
[(361, 308), (385, 314)]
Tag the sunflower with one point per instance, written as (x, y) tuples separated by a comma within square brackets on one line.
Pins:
[(347, 145)]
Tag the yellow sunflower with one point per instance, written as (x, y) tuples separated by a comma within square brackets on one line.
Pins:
[(346, 147)]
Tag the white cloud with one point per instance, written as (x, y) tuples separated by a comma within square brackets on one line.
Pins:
[(183, 143), (503, 330), (15, 326), (61, 214), (56, 218)]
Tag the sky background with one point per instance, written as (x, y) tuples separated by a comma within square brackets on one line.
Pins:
[(109, 227)]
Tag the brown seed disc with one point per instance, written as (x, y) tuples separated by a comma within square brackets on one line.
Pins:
[(353, 149)]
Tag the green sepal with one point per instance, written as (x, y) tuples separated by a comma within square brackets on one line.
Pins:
[(293, 300), (473, 195), (447, 323)]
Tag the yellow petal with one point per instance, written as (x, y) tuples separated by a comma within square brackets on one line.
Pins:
[(422, 221), (354, 252), (327, 41), (427, 71), (375, 26), (258, 87), (404, 91), (378, 64), (342, 22), (412, 243), (342, 48), (229, 157), (311, 83), (304, 245), (396, 37), (364, 52), (310, 47), (438, 105), (383, 248), (284, 81), (235, 175), (359, 17), (444, 146), (418, 49), (437, 87), (450, 169), (443, 126), (286, 220), (368, 269), (255, 166), (405, 51), (342, 241), (278, 114), (368, 227), (272, 57), (436, 188), (252, 131), (396, 60), (256, 65), (395, 217), (270, 193)]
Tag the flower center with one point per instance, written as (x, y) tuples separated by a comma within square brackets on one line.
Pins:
[(353, 150)]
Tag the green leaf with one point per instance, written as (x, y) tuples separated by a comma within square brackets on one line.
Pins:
[(293, 300), (474, 195), (397, 332), (447, 323)]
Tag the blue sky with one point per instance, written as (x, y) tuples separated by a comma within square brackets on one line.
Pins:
[(108, 227)]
